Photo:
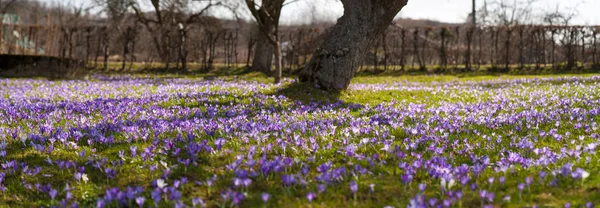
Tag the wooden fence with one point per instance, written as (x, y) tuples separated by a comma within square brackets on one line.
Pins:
[(437, 48)]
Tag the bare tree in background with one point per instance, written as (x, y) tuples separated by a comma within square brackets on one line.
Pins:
[(168, 17), (116, 11), (5, 5), (503, 12), (519, 12), (559, 16), (568, 38), (267, 14), (334, 64)]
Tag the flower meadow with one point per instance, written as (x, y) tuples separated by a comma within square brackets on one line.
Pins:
[(129, 141)]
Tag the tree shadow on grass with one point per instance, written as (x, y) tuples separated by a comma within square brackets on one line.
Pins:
[(304, 93), (225, 71)]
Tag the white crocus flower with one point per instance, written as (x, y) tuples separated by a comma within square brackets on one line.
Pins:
[(84, 178), (584, 175), (451, 183), (161, 183), (443, 183)]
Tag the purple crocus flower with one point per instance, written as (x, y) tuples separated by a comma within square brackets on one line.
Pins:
[(521, 186), (482, 194), (589, 205), (77, 176), (311, 196), (140, 201), (473, 186), (432, 202), (288, 180), (110, 173), (353, 186), (528, 180), (53, 193), (197, 201), (133, 150), (82, 154), (407, 178), (321, 188), (100, 203), (175, 195), (265, 197), (156, 195), (490, 196), (422, 187), (238, 198), (447, 203), (542, 175)]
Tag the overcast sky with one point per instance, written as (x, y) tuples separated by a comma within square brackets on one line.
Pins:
[(454, 11)]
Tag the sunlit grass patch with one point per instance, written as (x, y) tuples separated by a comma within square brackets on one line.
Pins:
[(232, 139)]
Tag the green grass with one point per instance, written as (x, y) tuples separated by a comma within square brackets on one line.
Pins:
[(389, 188)]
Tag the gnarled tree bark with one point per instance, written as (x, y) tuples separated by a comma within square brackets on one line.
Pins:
[(263, 55), (334, 64), (267, 17)]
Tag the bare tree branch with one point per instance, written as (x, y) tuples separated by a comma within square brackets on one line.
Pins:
[(5, 5)]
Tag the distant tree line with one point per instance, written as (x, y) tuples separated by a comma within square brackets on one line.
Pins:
[(175, 35), (417, 48)]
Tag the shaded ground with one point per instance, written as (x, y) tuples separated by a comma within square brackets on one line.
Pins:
[(41, 66)]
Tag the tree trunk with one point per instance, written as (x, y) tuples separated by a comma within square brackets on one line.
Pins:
[(211, 47), (443, 60), (183, 51), (267, 18), (507, 50), (133, 42), (263, 55), (570, 50), (167, 45), (106, 52), (251, 44), (279, 62), (125, 49), (124, 60), (98, 48), (334, 64), (468, 56)]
